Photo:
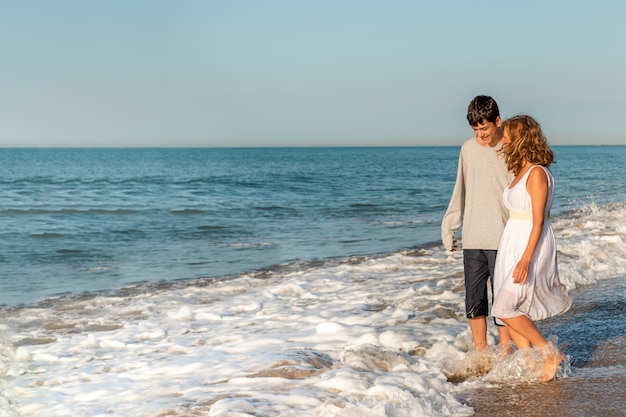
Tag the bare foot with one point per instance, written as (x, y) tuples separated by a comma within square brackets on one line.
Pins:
[(552, 359), (479, 347)]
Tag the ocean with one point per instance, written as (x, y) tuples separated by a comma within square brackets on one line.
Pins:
[(267, 281)]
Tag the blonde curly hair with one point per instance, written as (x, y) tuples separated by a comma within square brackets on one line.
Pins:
[(528, 143)]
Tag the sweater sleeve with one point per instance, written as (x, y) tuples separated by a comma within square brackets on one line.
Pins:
[(454, 214)]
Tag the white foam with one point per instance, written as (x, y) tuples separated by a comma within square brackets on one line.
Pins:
[(365, 339)]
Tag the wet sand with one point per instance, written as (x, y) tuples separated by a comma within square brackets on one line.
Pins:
[(593, 334)]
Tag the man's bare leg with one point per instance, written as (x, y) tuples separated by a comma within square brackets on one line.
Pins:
[(478, 327)]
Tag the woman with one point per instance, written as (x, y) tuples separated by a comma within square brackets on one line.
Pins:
[(526, 279)]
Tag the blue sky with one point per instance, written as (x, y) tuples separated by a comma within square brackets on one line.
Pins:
[(305, 73)]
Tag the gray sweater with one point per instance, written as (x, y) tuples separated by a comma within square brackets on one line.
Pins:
[(476, 200)]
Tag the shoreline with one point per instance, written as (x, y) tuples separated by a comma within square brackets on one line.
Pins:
[(594, 334)]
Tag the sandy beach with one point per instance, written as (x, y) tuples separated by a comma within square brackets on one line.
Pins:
[(594, 335)]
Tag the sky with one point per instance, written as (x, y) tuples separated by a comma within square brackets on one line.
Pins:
[(241, 73)]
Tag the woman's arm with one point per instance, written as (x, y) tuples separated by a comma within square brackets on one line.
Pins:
[(537, 187)]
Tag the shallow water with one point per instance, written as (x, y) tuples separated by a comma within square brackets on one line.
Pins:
[(76, 220), (595, 334), (273, 283)]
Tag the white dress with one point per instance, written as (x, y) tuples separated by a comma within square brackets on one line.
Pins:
[(542, 295)]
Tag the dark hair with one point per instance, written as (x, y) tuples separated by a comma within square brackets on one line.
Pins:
[(482, 108)]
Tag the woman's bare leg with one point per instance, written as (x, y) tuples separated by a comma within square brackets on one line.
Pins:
[(505, 340), (525, 328), (520, 341)]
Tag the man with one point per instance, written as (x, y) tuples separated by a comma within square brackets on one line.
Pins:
[(476, 202)]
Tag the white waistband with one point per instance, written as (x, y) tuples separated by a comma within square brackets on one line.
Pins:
[(520, 215)]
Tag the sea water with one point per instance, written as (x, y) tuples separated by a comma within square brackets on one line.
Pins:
[(261, 282), (94, 219)]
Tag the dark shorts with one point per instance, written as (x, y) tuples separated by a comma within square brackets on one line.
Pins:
[(478, 265)]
